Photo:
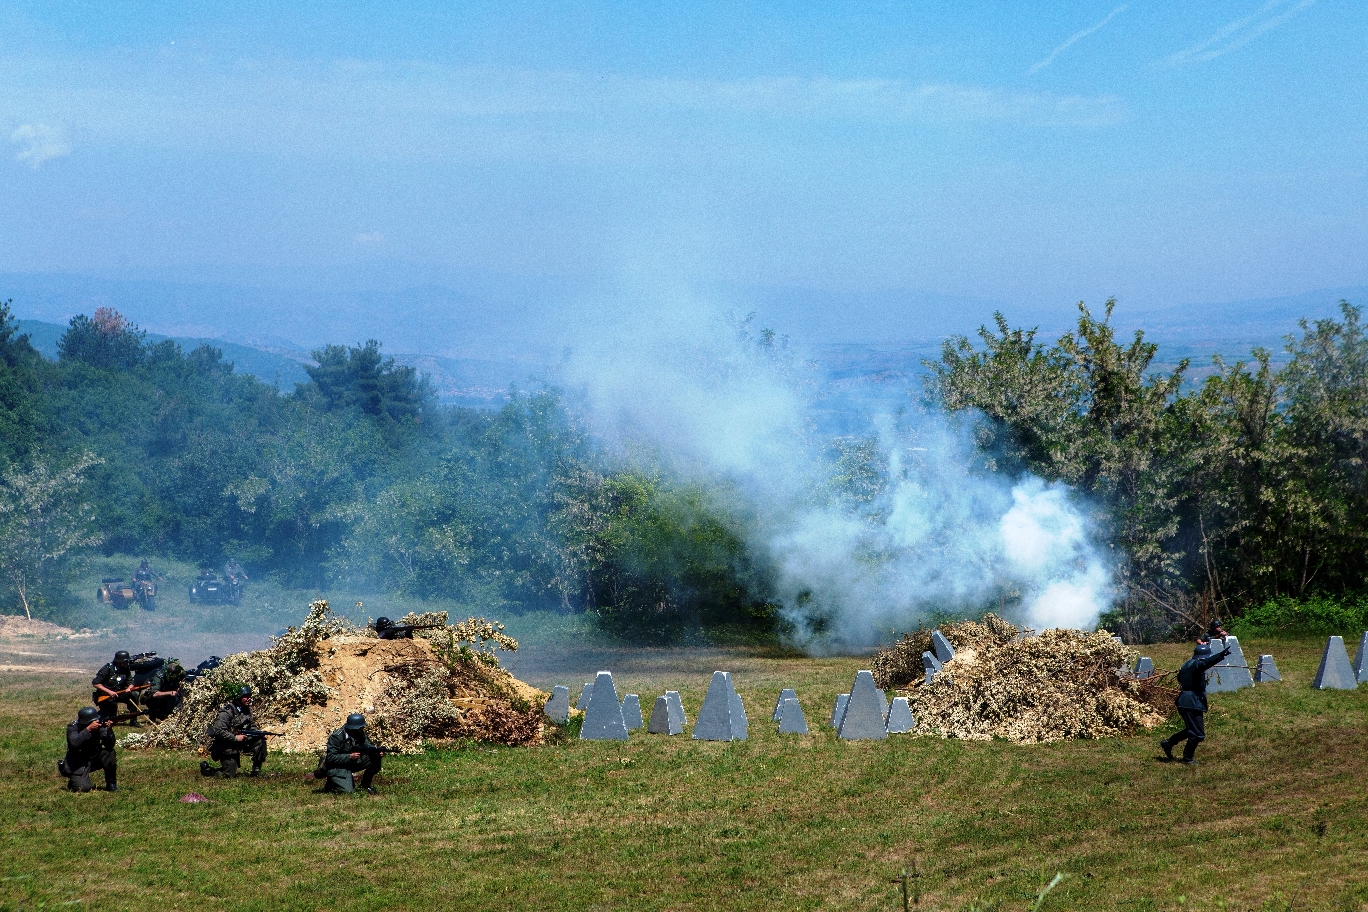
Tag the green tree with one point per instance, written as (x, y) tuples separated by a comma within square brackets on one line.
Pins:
[(45, 522), (106, 340)]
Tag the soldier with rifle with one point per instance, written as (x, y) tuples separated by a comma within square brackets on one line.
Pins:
[(233, 733), (386, 629), (1192, 702), (349, 752), (90, 746), (113, 684), (166, 691)]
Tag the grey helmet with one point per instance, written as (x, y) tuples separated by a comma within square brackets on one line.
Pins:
[(244, 691), (122, 657), (1202, 650), (381, 623), (355, 722), (86, 715)]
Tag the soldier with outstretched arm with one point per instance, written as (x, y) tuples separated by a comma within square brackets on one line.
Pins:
[(90, 746), (232, 734), (1192, 702), (349, 752)]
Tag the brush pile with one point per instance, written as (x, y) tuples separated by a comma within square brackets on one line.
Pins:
[(440, 687), (1059, 685)]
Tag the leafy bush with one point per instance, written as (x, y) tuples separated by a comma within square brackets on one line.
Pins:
[(1316, 615)]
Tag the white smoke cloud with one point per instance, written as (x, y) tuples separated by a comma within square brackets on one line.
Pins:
[(936, 534)]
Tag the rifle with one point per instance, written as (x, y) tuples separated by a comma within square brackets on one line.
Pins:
[(258, 733), (376, 750), (395, 631), (121, 717), (105, 698)]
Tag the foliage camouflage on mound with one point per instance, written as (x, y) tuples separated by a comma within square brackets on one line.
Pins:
[(900, 665), (443, 686), (1060, 685)]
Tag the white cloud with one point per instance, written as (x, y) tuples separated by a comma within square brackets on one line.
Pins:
[(1239, 32), (38, 143), (1076, 36), (368, 239)]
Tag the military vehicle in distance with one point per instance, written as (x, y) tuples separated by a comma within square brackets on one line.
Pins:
[(114, 591), (210, 590)]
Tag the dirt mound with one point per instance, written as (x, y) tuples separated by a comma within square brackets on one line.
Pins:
[(13, 625), (443, 686), (1059, 685)]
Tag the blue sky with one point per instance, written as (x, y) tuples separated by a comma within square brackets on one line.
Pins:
[(1037, 153)]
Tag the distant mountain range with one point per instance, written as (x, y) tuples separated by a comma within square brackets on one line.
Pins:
[(474, 346)]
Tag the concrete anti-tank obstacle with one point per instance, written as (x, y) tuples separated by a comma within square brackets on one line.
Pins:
[(558, 707), (1266, 670), (1144, 667), (667, 717), (931, 664), (791, 718), (722, 717), (865, 712), (786, 694), (583, 702), (631, 712), (1361, 660), (1335, 672), (1231, 673), (941, 647), (899, 721), (838, 710), (677, 706), (603, 716)]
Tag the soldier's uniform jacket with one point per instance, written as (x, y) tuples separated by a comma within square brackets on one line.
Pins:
[(84, 747), (341, 745), (229, 723), (113, 677), (166, 678), (1192, 678)]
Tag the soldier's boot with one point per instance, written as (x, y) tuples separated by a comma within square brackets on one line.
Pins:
[(1167, 747), (1190, 750), (256, 770)]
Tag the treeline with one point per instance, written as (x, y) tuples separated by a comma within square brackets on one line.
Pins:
[(1250, 487), (1247, 488), (358, 476)]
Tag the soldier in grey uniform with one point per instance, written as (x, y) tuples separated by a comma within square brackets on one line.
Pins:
[(349, 752), (227, 744), (90, 746)]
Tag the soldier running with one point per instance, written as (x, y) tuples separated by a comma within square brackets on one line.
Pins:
[(90, 746), (349, 752), (227, 743), (1192, 702)]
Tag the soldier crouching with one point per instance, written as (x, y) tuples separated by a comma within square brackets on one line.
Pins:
[(227, 743), (90, 746), (350, 752)]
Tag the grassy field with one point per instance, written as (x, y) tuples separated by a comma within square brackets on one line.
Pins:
[(1274, 817)]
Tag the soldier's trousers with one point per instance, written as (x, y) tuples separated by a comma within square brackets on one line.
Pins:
[(110, 708), (159, 708), (78, 777), (343, 779), (230, 757), (1194, 731)]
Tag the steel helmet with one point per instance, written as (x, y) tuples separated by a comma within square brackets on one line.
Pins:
[(355, 722), (122, 657), (86, 715), (244, 691), (1202, 650), (382, 622)]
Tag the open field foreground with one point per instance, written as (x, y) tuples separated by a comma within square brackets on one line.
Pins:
[(1274, 817)]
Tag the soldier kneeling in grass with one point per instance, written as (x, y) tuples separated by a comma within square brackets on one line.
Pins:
[(90, 747), (349, 752)]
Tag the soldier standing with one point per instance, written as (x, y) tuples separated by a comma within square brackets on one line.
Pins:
[(227, 743), (1192, 702), (165, 691), (349, 752), (90, 746), (113, 684)]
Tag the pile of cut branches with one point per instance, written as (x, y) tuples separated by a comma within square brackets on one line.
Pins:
[(1059, 685)]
